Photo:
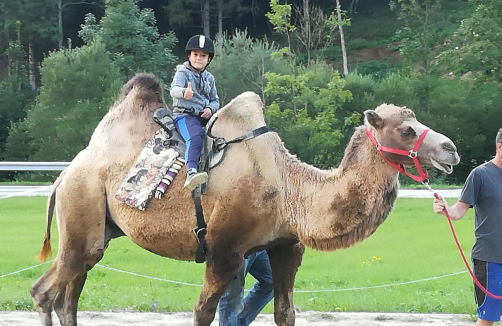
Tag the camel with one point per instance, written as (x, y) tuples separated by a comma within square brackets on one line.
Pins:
[(259, 197)]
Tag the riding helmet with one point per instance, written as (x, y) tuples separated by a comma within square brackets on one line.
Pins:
[(200, 42)]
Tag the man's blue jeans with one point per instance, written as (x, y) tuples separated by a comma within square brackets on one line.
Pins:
[(234, 310)]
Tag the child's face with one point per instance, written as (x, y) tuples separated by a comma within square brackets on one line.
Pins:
[(198, 59)]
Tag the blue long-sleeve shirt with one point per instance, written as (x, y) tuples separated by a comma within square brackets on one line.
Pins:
[(203, 87)]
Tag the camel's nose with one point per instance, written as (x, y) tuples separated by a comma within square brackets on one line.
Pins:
[(449, 146)]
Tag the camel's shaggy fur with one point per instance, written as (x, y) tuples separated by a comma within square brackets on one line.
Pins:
[(260, 196)]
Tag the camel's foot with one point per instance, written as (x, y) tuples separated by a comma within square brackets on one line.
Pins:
[(62, 311), (285, 318), (203, 318), (44, 308)]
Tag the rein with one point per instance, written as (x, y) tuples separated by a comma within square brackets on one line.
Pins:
[(474, 278), (423, 176)]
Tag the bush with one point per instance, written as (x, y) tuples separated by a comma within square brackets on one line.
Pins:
[(333, 53), (241, 64), (304, 111), (359, 44), (397, 89), (378, 69), (467, 113)]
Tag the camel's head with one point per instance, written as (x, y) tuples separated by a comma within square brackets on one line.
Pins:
[(397, 127)]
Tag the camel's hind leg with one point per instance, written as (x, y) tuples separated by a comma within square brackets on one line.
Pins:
[(66, 302), (285, 261), (81, 246), (47, 287), (60, 287)]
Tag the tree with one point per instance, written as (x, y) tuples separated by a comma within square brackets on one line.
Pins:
[(226, 9), (352, 7), (131, 36), (179, 12), (15, 94), (479, 40), (341, 22), (280, 18), (183, 13), (79, 85), (206, 18), (38, 27), (314, 29), (423, 30), (249, 60), (314, 134), (62, 5)]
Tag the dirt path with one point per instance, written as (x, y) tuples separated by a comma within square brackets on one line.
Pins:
[(310, 318)]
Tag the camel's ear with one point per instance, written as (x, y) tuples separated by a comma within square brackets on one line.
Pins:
[(373, 118)]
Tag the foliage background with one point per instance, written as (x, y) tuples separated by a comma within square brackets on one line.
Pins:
[(438, 57)]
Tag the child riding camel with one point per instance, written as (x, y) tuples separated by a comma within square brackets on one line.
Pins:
[(194, 101)]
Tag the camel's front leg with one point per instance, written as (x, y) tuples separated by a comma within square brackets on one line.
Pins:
[(221, 268), (285, 261)]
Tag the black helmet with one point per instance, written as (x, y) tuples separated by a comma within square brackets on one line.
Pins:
[(200, 42)]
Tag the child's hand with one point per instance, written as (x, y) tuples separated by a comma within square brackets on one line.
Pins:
[(206, 113), (188, 92)]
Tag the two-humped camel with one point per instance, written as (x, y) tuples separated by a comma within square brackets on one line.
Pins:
[(260, 196)]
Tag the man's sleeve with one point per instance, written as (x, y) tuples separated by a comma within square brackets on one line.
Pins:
[(214, 100), (471, 190), (178, 85)]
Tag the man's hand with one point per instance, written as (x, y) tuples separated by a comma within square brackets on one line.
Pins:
[(188, 92), (439, 205), (206, 113)]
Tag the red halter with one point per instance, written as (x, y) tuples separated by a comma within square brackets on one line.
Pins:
[(423, 176)]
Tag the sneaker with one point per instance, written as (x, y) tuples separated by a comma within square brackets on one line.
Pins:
[(194, 179)]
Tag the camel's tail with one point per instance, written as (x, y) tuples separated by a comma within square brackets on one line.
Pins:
[(51, 203)]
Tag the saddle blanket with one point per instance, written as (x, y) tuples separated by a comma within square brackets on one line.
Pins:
[(147, 172)]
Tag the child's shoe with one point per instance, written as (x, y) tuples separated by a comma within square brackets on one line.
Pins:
[(194, 179)]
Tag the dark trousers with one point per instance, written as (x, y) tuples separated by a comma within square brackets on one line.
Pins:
[(192, 132)]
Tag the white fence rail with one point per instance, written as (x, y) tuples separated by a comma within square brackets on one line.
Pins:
[(60, 166), (33, 166), (8, 191)]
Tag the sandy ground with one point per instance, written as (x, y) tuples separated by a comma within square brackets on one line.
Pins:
[(311, 318)]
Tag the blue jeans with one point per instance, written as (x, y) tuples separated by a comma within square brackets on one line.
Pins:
[(192, 132), (235, 310)]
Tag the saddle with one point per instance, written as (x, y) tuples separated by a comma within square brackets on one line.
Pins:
[(160, 161)]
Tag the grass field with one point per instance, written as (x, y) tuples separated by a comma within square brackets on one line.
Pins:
[(413, 244)]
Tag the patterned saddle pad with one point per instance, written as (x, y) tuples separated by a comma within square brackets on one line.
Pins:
[(148, 170)]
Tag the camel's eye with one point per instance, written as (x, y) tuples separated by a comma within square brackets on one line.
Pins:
[(408, 132)]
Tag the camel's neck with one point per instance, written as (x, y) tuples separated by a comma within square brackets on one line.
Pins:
[(342, 207)]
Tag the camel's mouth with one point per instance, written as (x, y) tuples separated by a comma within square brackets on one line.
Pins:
[(446, 168)]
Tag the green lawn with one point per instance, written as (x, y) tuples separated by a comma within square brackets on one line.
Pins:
[(413, 244)]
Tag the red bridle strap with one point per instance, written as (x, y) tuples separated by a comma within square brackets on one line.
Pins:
[(423, 176)]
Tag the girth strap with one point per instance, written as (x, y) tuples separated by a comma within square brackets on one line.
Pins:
[(201, 229)]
